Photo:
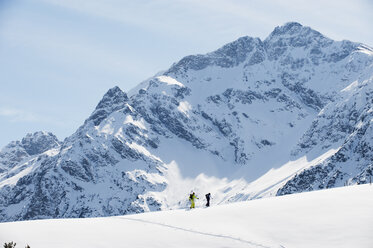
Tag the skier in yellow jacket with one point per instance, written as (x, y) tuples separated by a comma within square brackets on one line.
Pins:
[(192, 199)]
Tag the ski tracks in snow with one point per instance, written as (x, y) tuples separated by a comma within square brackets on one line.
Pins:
[(252, 244)]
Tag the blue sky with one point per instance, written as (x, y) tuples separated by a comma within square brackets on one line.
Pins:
[(58, 57)]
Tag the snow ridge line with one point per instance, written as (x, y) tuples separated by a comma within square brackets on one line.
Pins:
[(198, 232)]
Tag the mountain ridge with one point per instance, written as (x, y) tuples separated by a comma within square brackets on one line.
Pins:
[(238, 122)]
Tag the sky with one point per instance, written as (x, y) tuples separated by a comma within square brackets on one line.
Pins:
[(59, 57)]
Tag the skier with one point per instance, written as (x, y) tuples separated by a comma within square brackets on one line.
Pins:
[(192, 198), (208, 196)]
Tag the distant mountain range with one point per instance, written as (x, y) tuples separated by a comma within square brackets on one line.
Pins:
[(252, 119)]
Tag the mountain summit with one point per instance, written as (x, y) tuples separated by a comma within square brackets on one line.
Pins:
[(252, 119)]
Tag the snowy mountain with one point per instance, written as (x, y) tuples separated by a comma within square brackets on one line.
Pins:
[(30, 146), (249, 120), (322, 219)]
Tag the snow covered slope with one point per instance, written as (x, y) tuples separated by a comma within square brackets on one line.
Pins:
[(340, 218), (252, 119)]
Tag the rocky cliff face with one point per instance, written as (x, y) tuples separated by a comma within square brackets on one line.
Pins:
[(346, 127), (251, 119)]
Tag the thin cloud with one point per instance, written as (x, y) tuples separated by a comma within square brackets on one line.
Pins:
[(17, 115), (49, 122), (67, 47), (192, 18), (184, 19)]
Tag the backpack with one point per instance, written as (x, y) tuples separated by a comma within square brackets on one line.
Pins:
[(191, 197)]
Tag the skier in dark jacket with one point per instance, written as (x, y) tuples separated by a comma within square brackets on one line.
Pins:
[(208, 196)]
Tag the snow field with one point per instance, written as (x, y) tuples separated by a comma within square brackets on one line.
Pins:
[(340, 217)]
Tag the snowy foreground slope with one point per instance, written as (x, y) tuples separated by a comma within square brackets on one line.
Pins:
[(340, 217), (253, 119)]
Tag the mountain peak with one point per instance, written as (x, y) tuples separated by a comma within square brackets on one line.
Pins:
[(113, 96), (295, 29), (32, 144), (293, 34), (39, 142), (288, 28), (113, 100)]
